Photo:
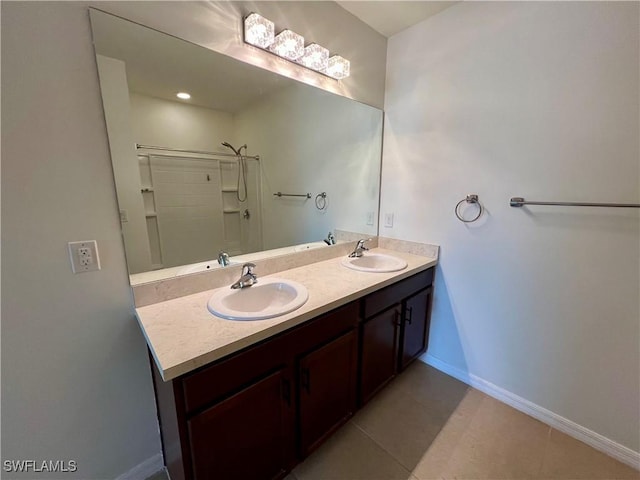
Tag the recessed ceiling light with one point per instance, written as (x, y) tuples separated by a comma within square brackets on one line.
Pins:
[(183, 95)]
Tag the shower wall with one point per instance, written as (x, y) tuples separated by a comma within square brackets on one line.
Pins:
[(192, 207)]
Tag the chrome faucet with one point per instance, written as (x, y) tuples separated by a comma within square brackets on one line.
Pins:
[(330, 240), (360, 248), (223, 258), (247, 278)]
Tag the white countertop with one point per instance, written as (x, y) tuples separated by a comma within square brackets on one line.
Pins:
[(183, 335)]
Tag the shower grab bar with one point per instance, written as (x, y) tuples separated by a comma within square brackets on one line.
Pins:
[(520, 202), (280, 194), (196, 152)]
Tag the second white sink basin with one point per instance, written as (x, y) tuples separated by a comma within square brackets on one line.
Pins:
[(375, 262), (270, 297)]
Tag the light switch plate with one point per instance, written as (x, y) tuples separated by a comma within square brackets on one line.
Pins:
[(388, 220), (369, 218), (84, 256)]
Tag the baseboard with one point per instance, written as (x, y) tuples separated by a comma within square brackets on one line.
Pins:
[(597, 441), (145, 469)]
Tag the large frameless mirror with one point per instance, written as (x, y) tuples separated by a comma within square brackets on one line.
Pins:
[(252, 162)]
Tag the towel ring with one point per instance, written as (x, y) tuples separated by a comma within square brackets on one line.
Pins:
[(472, 198), (321, 201)]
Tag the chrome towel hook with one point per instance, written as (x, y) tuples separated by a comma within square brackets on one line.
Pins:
[(471, 198)]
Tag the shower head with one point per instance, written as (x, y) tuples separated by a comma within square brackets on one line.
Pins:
[(237, 152), (228, 145)]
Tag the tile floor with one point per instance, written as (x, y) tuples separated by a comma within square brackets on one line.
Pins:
[(427, 425)]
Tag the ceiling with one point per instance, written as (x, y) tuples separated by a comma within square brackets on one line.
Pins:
[(392, 16), (159, 65)]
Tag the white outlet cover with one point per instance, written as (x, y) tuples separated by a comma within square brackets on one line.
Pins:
[(388, 220), (84, 256)]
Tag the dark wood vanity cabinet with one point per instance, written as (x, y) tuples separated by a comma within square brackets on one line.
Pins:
[(327, 390), (246, 436), (258, 412), (379, 347), (394, 331), (416, 311)]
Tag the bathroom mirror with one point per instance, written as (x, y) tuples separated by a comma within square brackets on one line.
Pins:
[(184, 196)]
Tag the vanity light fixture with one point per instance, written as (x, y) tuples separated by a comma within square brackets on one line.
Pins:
[(288, 44), (259, 32), (183, 95), (338, 67), (315, 57)]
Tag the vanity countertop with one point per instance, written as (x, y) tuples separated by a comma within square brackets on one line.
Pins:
[(183, 335)]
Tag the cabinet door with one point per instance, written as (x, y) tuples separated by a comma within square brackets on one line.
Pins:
[(379, 352), (327, 380), (415, 328), (247, 436)]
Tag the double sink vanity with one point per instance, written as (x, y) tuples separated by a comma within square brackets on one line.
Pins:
[(249, 381)]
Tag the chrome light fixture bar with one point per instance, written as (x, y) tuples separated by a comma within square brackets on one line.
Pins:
[(259, 32)]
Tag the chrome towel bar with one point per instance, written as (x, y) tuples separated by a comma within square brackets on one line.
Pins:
[(280, 194), (521, 202)]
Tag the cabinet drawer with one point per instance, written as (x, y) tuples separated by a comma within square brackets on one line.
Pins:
[(228, 375), (388, 296), (325, 328)]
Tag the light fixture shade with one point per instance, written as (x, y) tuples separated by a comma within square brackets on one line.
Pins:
[(338, 67), (258, 31), (288, 44), (315, 57)]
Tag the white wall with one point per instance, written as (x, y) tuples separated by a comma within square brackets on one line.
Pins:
[(541, 100), (156, 121), (342, 160), (126, 173), (76, 382), (75, 374)]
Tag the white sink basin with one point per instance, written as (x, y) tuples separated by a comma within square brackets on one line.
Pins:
[(268, 298), (374, 262)]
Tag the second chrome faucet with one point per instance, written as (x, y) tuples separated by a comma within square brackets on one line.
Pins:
[(247, 278), (360, 248)]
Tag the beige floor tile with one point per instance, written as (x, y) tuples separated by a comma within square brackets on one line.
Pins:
[(568, 458), (430, 386), (350, 455), (402, 426), (499, 443), (434, 462)]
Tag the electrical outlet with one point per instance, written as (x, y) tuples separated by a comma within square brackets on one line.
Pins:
[(388, 220), (124, 216), (84, 256)]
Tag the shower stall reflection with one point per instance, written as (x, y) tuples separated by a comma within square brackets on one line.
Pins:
[(195, 205)]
